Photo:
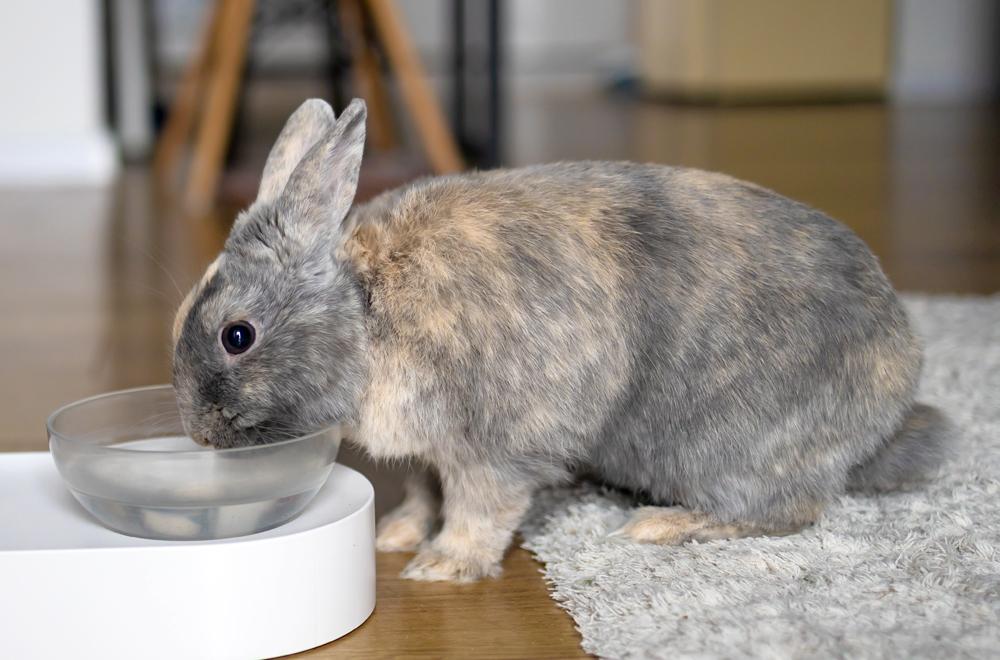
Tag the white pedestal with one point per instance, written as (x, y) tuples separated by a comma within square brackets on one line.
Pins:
[(71, 588)]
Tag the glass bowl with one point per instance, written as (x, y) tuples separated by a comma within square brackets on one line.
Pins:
[(126, 459)]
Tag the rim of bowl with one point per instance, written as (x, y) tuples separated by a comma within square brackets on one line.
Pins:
[(182, 452)]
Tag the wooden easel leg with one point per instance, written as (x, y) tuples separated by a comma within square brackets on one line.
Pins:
[(368, 76), (217, 119), (184, 108), (438, 142)]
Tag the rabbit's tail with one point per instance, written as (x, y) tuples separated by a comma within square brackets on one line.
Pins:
[(911, 455)]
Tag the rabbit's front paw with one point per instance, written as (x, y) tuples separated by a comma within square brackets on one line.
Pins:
[(432, 565), (403, 530), (411, 523)]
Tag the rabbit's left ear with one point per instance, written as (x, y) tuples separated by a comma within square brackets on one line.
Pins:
[(308, 124), (323, 185)]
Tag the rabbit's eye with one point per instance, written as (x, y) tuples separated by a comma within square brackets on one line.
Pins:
[(237, 337)]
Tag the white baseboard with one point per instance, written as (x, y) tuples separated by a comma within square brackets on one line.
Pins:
[(77, 160)]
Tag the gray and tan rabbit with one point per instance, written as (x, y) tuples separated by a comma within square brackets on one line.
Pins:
[(734, 357)]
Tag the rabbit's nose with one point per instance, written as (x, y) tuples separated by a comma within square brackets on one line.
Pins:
[(201, 439)]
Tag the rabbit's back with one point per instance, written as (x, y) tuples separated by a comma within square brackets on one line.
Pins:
[(658, 325), (505, 296)]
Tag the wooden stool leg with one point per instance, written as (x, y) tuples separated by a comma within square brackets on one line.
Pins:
[(217, 119), (182, 112), (367, 75), (438, 142)]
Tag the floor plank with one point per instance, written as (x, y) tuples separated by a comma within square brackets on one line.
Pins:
[(510, 617)]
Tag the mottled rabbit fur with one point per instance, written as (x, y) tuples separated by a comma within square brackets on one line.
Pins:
[(733, 357)]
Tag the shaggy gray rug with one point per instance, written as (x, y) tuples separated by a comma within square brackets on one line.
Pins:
[(905, 575)]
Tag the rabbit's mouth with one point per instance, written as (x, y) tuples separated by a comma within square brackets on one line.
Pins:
[(268, 431), (237, 420), (230, 426), (242, 436), (222, 428), (244, 431)]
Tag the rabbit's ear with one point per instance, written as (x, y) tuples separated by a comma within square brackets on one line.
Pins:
[(324, 183), (307, 125)]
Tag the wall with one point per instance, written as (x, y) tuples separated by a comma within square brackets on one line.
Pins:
[(569, 42), (51, 119), (946, 50)]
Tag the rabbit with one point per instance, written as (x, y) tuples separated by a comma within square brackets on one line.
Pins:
[(735, 359)]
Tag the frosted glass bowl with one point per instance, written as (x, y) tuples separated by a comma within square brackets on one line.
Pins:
[(125, 458)]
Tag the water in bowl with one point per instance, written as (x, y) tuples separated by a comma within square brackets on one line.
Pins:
[(211, 503)]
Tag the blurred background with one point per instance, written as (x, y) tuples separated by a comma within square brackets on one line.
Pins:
[(132, 131)]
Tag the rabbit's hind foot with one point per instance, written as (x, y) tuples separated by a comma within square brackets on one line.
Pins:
[(676, 525)]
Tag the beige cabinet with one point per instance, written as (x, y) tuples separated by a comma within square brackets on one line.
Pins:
[(755, 50)]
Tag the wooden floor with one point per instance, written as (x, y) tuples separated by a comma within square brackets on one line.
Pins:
[(89, 281)]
